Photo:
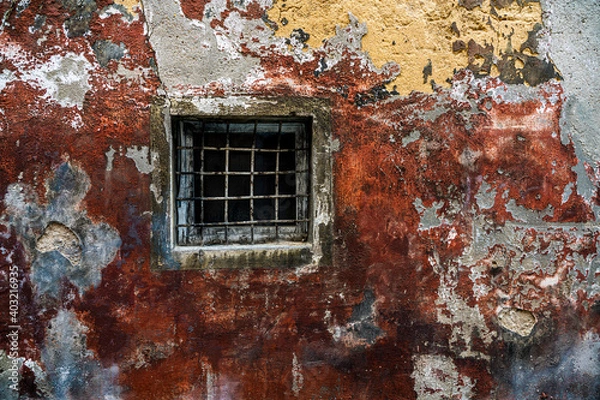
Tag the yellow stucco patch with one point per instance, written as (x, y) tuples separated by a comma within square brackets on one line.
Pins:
[(412, 32), (128, 4)]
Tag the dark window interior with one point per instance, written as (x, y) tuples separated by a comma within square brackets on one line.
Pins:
[(241, 181)]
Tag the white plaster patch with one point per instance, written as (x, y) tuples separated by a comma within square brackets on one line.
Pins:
[(429, 216), (110, 157), (119, 10), (550, 281), (226, 45), (567, 192), (65, 79), (141, 157), (486, 196), (211, 381), (156, 192), (210, 106), (412, 137), (5, 78), (466, 322), (297, 377), (437, 378)]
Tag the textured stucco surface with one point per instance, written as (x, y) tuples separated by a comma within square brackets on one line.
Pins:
[(417, 34), (463, 262)]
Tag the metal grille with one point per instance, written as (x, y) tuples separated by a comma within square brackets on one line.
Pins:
[(241, 182)]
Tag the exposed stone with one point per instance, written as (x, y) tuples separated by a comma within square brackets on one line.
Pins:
[(518, 321), (57, 237)]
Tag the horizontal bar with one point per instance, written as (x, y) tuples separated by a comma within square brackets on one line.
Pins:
[(258, 197), (248, 173), (256, 150), (224, 224)]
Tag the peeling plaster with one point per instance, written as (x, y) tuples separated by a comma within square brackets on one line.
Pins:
[(429, 216), (467, 322), (533, 257), (127, 11), (464, 262), (486, 196), (65, 79), (188, 52), (110, 158), (297, 377), (574, 46)]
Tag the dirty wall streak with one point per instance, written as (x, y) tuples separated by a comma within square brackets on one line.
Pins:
[(464, 260)]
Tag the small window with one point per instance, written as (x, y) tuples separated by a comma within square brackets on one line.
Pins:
[(241, 181)]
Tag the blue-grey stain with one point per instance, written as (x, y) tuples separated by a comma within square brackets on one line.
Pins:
[(64, 242), (106, 50), (571, 370), (22, 6), (362, 322), (71, 369), (322, 67), (427, 71), (79, 22), (38, 22)]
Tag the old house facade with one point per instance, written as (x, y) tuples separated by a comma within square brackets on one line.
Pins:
[(269, 199)]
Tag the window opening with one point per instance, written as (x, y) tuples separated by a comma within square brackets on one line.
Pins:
[(241, 181)]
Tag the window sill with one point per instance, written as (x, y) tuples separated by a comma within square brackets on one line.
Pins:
[(243, 256)]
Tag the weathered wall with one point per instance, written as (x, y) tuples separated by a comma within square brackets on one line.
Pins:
[(465, 186)]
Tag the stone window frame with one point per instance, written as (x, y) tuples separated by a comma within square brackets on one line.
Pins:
[(167, 255)]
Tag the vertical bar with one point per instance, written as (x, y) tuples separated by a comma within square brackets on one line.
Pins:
[(185, 209), (226, 184), (202, 184), (302, 158), (252, 181), (277, 154)]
